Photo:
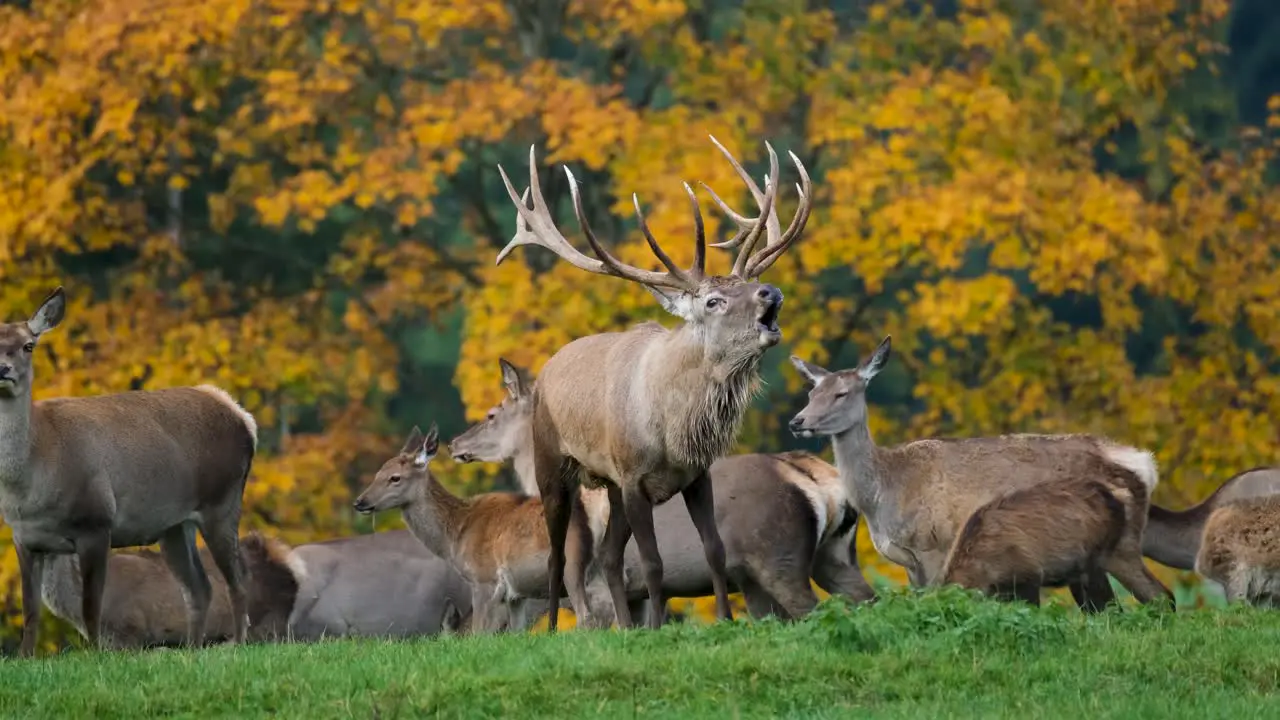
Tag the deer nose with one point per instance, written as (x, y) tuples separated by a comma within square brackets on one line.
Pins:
[(6, 371), (769, 294), (362, 506), (796, 423)]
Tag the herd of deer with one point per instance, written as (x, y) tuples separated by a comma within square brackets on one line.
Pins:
[(615, 426)]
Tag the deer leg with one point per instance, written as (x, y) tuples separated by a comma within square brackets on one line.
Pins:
[(1093, 593), (92, 551), (839, 576), (699, 498), (578, 549), (640, 516), (222, 535), (612, 553), (759, 602), (1134, 575), (556, 511), (31, 566), (179, 547)]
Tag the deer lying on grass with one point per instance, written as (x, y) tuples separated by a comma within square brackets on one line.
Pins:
[(646, 411), (1240, 550), (1173, 537), (83, 475), (916, 497), (143, 604), (1055, 533), (497, 541), (385, 584), (795, 496)]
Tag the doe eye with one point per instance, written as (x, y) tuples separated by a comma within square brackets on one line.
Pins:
[(714, 302), (841, 394), (395, 479), (29, 347)]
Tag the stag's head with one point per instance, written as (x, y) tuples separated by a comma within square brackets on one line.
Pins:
[(837, 400), (401, 479), (502, 433), (735, 315), (18, 345)]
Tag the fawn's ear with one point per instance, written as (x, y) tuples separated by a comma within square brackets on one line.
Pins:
[(809, 371), (429, 447), (413, 442), (50, 312)]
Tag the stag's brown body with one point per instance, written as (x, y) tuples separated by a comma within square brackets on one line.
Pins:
[(1173, 537), (1240, 550), (1056, 533), (82, 475), (916, 497), (143, 605), (645, 412), (497, 541)]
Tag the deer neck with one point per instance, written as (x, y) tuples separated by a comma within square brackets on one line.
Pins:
[(857, 459), (436, 517), (1172, 537), (16, 438), (703, 396), (522, 463)]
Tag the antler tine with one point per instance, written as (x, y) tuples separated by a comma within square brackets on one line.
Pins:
[(658, 252), (674, 279), (699, 268), (534, 226), (745, 224), (768, 218), (766, 257)]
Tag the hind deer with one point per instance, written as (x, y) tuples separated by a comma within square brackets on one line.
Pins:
[(143, 605), (1055, 533), (796, 496), (646, 411), (1240, 550), (83, 475), (916, 497), (1173, 537)]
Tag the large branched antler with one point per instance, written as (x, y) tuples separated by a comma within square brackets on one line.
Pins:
[(535, 226)]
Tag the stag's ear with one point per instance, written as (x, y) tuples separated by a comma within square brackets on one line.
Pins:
[(414, 441), (675, 302), (430, 446), (811, 372), (50, 312), (875, 363), (513, 378)]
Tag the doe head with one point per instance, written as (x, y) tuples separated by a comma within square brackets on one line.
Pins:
[(503, 431), (18, 345), (400, 480), (837, 400)]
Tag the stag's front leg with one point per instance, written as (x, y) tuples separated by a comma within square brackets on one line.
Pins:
[(640, 516), (700, 500), (92, 551), (612, 552), (31, 566)]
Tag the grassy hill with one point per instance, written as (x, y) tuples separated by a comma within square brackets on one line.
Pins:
[(941, 654)]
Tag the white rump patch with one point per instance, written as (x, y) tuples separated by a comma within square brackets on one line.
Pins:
[(225, 397), (826, 497), (296, 566), (1140, 462)]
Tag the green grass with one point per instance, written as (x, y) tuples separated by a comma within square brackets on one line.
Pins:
[(912, 655)]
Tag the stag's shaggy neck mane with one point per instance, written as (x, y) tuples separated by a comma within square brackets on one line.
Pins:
[(435, 516), (703, 397), (15, 442)]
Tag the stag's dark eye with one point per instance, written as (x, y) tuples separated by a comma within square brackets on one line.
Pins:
[(715, 302), (29, 347), (395, 479), (491, 415)]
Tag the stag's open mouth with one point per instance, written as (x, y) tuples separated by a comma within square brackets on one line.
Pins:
[(768, 319)]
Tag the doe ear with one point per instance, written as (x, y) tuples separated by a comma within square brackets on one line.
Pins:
[(413, 442), (874, 364), (50, 312), (811, 372), (430, 446), (675, 302), (513, 378)]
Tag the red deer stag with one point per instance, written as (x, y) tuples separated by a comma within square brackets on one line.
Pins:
[(646, 411), (1055, 533), (83, 475), (916, 497), (1173, 536), (797, 496)]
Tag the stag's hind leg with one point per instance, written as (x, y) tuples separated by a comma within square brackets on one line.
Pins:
[(178, 545), (699, 498), (221, 530)]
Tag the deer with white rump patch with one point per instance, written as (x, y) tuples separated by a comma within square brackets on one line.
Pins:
[(83, 475), (917, 497), (645, 412)]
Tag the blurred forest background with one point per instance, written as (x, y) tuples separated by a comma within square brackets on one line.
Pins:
[(1063, 210)]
